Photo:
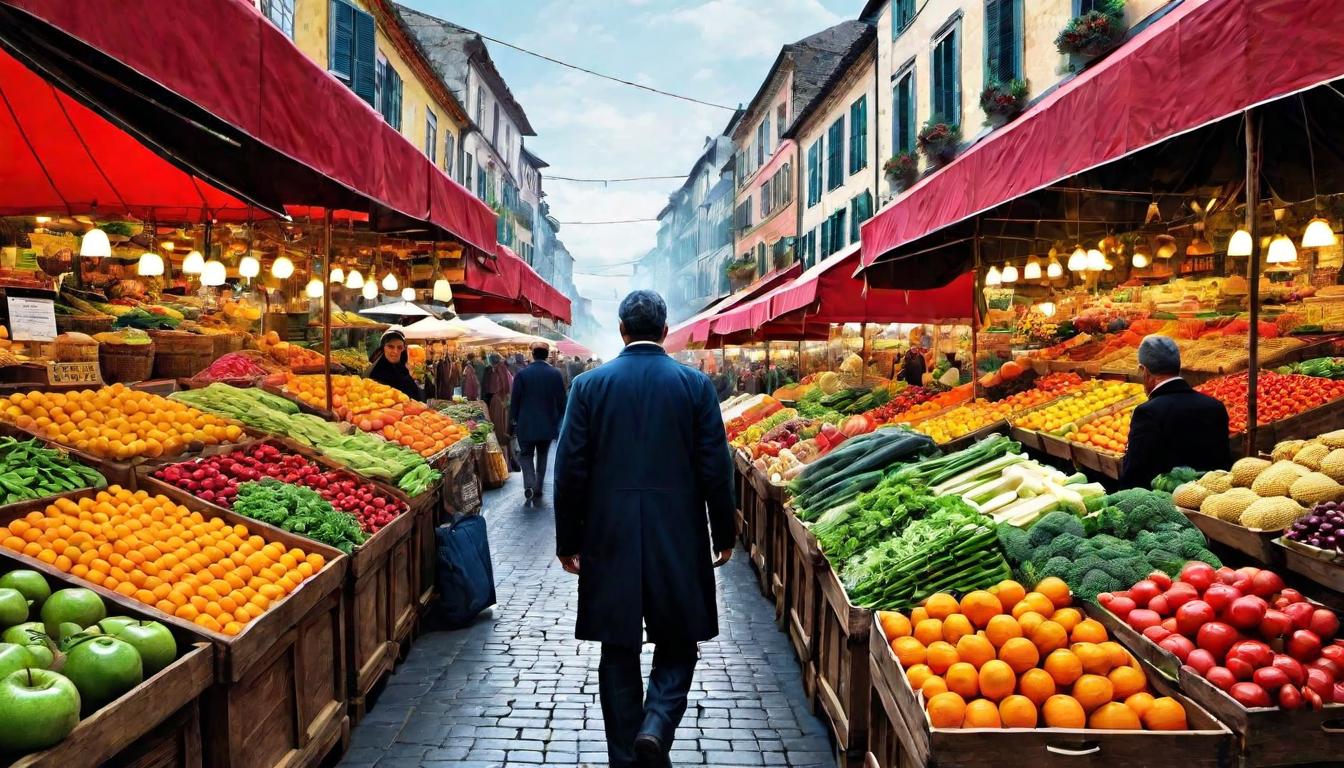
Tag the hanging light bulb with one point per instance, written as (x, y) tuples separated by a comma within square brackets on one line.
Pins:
[(992, 277), (354, 281), (1078, 259), (1139, 260), (1047, 308), (40, 220), (1281, 251), (1318, 234), (389, 282), (408, 293), (249, 267), (314, 289), (168, 245), (443, 291), (213, 274), (194, 264), (1166, 246), (1054, 270), (282, 268), (370, 290), (338, 275), (1107, 265), (1240, 244), (1032, 271), (1010, 274), (1096, 261), (151, 265), (95, 245)]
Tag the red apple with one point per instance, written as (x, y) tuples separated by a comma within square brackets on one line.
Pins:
[(1250, 695), (1220, 597), (1198, 575), (1121, 605), (1216, 638), (1161, 579), (1142, 618), (1304, 645), (1275, 624), (1221, 677), (1144, 591), (1178, 645), (1324, 623), (1297, 674), (1266, 584), (1157, 633)]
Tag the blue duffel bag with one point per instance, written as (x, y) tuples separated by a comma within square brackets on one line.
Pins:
[(466, 578)]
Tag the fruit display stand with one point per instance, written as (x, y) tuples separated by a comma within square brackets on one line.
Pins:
[(117, 472), (842, 669), (759, 524), (777, 550), (804, 596), (745, 494), (1310, 563), (279, 697), (155, 723), (1252, 542), (1207, 743)]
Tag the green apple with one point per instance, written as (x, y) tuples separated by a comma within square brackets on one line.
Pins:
[(43, 656), (102, 668), (76, 605), (38, 707), (13, 607), (67, 630), (111, 624), (153, 640), (13, 658), (32, 584), (28, 633)]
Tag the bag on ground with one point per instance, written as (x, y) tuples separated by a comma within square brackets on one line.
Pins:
[(466, 577)]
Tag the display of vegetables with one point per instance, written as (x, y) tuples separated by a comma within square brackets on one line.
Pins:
[(757, 430), (853, 468), (30, 470), (423, 430), (1321, 367), (1016, 490), (246, 367), (900, 402), (1321, 528), (298, 510), (1279, 396), (1271, 495)]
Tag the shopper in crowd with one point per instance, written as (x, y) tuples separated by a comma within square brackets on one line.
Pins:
[(1177, 427), (535, 409), (447, 376), (913, 367), (471, 378), (391, 366), (498, 385), (644, 512)]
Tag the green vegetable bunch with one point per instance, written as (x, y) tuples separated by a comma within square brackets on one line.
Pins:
[(1174, 479), (298, 510), (30, 470)]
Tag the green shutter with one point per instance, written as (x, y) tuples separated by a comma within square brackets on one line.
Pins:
[(364, 56), (835, 168), (825, 238), (342, 39)]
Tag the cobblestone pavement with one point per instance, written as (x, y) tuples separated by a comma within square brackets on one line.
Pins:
[(516, 688)]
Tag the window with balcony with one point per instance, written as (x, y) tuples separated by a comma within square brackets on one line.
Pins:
[(351, 48), (946, 80), (1003, 41), (858, 135)]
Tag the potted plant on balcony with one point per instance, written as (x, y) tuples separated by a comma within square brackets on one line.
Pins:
[(938, 140), (741, 271), (1093, 34), (1002, 101), (902, 170)]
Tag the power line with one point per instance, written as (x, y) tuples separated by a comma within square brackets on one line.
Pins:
[(611, 181), (608, 77), (595, 223)]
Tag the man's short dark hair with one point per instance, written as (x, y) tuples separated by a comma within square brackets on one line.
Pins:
[(644, 315), (541, 353)]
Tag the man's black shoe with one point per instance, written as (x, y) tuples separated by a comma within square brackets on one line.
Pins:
[(527, 494), (650, 753)]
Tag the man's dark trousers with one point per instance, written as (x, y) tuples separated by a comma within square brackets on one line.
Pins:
[(534, 473), (627, 711)]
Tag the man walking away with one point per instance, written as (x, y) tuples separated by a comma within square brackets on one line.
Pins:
[(643, 509), (535, 411)]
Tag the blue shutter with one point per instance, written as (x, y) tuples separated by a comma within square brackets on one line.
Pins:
[(835, 169), (825, 238), (363, 56), (838, 231), (341, 43), (858, 135)]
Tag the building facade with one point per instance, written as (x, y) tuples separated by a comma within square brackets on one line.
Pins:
[(695, 240)]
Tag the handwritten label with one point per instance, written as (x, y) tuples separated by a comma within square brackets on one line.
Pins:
[(74, 373), (32, 319)]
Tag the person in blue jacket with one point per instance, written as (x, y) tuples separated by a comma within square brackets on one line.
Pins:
[(535, 409), (644, 513)]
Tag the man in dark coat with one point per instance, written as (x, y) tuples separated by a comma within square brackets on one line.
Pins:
[(1177, 427), (644, 513), (535, 410)]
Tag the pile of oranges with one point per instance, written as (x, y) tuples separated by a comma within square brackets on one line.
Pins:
[(116, 422), (422, 429), (200, 569), (1008, 658), (350, 395), (1109, 433), (965, 419)]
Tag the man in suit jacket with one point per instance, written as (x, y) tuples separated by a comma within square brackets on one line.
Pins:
[(1177, 427), (535, 412), (644, 513)]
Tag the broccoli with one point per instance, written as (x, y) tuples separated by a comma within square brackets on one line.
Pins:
[(1063, 545), (1015, 544), (1126, 570), (1096, 581), (1145, 510), (1057, 566), (1205, 556), (1054, 524), (1105, 520), (1165, 560)]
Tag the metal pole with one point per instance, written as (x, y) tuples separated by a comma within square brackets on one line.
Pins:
[(1253, 268), (326, 304), (977, 293), (863, 353)]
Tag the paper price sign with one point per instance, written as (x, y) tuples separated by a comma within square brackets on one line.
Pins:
[(32, 319), (74, 373)]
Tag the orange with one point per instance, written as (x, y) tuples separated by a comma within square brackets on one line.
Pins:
[(1037, 685), (918, 614), (932, 687), (1114, 716), (1056, 590), (1067, 618), (893, 624), (908, 650), (997, 680), (1049, 636), (917, 674), (956, 627), (975, 650), (1009, 593), (1092, 691), (1063, 666), (1020, 654), (940, 656), (1017, 711), (1034, 601), (941, 605), (1029, 621), (1140, 702), (1001, 629), (962, 678), (1119, 656), (929, 630), (1088, 631), (1127, 681), (1166, 714), (1094, 658), (1062, 711), (947, 710), (980, 606), (982, 713)]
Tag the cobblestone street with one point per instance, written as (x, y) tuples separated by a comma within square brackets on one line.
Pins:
[(516, 688)]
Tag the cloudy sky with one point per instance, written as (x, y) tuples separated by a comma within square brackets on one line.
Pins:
[(714, 50)]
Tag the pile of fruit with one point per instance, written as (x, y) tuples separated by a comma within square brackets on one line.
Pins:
[(1279, 396), (939, 402), (351, 396), (420, 428), (1109, 433), (216, 480), (1322, 529), (901, 402), (1243, 631), (116, 422), (1008, 658), (200, 569), (291, 356), (30, 470), (977, 414), (99, 658), (1271, 494), (1061, 418)]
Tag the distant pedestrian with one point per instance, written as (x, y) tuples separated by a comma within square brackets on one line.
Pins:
[(535, 410), (644, 512), (472, 378)]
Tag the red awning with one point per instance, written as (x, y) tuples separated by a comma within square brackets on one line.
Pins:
[(572, 348), (507, 285), (250, 112), (696, 329), (1204, 61)]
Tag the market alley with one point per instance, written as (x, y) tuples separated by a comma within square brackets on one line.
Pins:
[(516, 688)]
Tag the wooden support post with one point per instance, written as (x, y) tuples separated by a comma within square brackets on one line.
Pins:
[(1253, 276), (976, 296), (326, 304)]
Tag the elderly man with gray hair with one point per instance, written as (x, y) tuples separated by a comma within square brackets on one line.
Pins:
[(643, 515), (1177, 427)]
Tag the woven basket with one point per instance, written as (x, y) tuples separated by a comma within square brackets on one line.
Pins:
[(89, 324), (180, 355), (75, 352), (126, 363), (226, 343)]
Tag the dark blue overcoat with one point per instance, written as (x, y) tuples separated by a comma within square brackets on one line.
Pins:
[(643, 493), (537, 403)]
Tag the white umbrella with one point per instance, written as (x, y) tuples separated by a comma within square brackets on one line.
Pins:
[(485, 330), (432, 328), (396, 309)]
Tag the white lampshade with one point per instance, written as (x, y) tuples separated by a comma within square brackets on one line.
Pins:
[(992, 277), (389, 282), (95, 245), (1281, 251), (370, 290), (151, 265), (282, 268), (1240, 244), (1032, 271), (1318, 234), (1078, 259), (314, 289), (354, 281), (249, 267), (443, 291), (40, 220), (194, 264), (168, 245), (1047, 308), (1140, 260), (213, 273), (338, 275), (1096, 261), (1010, 274), (1055, 270), (408, 293)]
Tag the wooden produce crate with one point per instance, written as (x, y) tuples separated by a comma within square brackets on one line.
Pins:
[(117, 472), (1029, 438), (423, 557), (777, 550), (1312, 565), (159, 717), (1103, 463), (804, 595), (1252, 542), (759, 525), (971, 438), (279, 698), (1207, 745), (888, 734), (842, 669)]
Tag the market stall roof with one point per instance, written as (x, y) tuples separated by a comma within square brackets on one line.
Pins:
[(252, 113), (507, 285), (396, 309), (484, 330), (696, 329), (572, 348), (432, 328), (1203, 61)]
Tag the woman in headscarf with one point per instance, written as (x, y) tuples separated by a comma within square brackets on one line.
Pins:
[(391, 367)]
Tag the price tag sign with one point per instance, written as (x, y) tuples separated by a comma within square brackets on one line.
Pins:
[(74, 373), (32, 319)]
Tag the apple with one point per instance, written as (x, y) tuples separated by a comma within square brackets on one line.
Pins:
[(67, 630), (111, 624), (13, 658), (153, 641), (76, 605), (102, 668), (32, 584), (13, 607), (38, 707)]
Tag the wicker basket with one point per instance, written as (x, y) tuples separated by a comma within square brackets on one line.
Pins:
[(68, 351), (89, 324), (180, 355), (126, 363), (226, 343)]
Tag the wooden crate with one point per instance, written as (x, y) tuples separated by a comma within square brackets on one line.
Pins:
[(842, 669), (804, 597), (1310, 566), (888, 734), (759, 525), (1102, 462), (777, 551), (422, 555), (1256, 544), (741, 489), (1029, 438), (971, 438), (1207, 745)]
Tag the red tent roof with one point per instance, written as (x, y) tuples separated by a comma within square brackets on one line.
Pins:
[(1203, 61), (696, 329), (507, 285)]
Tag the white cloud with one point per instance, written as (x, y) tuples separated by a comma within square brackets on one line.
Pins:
[(743, 29)]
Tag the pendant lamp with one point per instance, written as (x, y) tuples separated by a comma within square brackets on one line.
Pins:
[(314, 289), (408, 293), (1009, 274), (1240, 244), (1054, 270), (95, 245), (443, 291), (1047, 308), (194, 264), (1078, 259), (370, 290), (354, 281), (1318, 234), (1096, 262), (282, 268), (389, 282), (993, 278), (338, 275), (151, 265), (249, 267), (1281, 251), (1139, 260), (1032, 271), (213, 274)]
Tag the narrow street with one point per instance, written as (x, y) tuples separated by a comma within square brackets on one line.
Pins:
[(516, 688)]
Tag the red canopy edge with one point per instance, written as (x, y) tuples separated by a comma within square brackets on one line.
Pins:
[(696, 329), (507, 285), (266, 88), (1202, 62)]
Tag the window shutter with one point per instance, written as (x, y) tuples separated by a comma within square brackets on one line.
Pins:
[(838, 231), (993, 39), (364, 55), (825, 238), (342, 39), (1009, 32)]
